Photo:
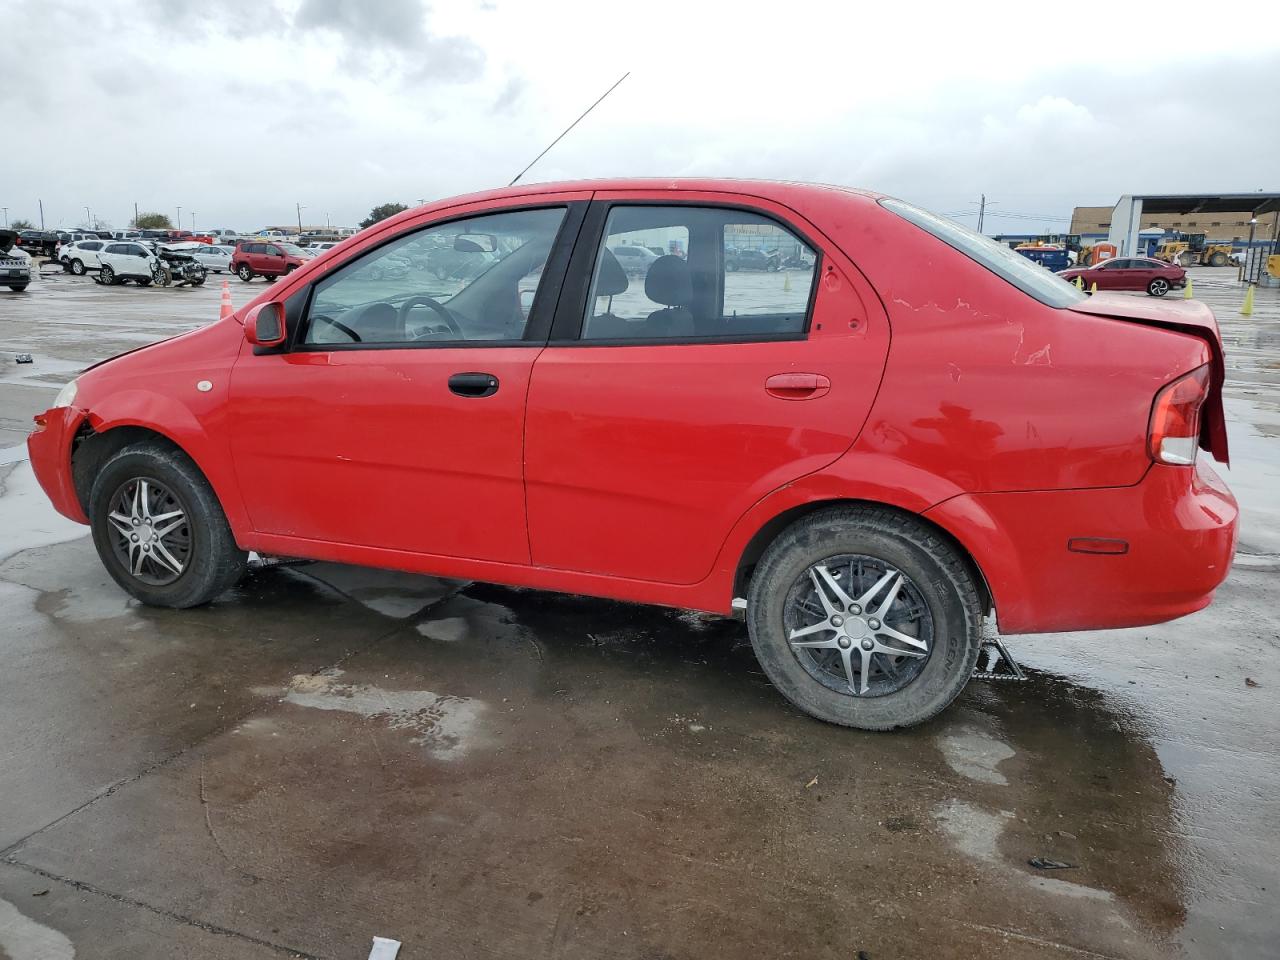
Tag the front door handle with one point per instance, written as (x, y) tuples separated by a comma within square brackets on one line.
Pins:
[(474, 384), (797, 386)]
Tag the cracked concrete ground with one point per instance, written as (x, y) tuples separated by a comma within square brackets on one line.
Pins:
[(329, 753)]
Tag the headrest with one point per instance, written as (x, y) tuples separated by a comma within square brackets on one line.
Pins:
[(668, 282), (611, 279)]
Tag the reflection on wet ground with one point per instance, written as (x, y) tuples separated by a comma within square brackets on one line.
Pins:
[(329, 753)]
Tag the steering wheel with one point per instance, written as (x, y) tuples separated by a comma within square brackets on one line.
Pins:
[(355, 337), (435, 305)]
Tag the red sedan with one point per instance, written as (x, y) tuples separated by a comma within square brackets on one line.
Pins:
[(912, 430), (1130, 273)]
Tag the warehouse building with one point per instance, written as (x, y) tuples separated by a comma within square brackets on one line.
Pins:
[(1137, 221)]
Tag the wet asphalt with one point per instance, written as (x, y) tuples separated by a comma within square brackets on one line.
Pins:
[(331, 753)]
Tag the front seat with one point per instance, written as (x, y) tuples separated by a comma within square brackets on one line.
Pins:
[(668, 282)]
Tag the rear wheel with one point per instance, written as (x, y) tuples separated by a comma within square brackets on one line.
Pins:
[(17, 287), (77, 267), (142, 281), (244, 273), (1158, 287), (864, 617), (160, 530)]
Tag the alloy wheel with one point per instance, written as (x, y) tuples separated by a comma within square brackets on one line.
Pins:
[(858, 625), (150, 534)]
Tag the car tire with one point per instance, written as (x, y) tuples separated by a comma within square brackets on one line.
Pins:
[(1158, 287), (244, 273), (142, 281), (198, 540), (107, 275), (860, 546), (269, 277), (17, 287), (290, 270), (1218, 259), (77, 267)]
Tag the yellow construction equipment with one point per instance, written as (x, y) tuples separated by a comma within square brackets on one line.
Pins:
[(1192, 250)]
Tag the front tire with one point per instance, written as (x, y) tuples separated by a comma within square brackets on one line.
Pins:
[(159, 529), (865, 617), (1218, 259), (107, 275), (1158, 287)]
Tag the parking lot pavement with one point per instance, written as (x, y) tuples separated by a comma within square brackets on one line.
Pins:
[(328, 753)]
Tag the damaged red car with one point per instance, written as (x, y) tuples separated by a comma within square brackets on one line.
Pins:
[(905, 430)]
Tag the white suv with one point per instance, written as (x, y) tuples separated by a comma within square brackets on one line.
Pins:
[(128, 260), (81, 256)]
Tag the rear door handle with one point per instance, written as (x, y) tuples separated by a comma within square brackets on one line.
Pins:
[(797, 386), (474, 384)]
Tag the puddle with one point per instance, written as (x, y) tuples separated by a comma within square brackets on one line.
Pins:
[(21, 938), (975, 754), (445, 725), (27, 518)]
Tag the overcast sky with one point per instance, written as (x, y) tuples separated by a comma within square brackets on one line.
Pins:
[(238, 109)]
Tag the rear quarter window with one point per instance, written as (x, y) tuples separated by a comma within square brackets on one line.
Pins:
[(1031, 278)]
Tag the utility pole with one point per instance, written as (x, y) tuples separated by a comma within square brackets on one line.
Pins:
[(6, 218), (179, 223), (982, 209), (41, 202), (299, 206), (135, 214), (88, 221), (193, 221)]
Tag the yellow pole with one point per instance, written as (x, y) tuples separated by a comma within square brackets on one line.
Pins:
[(786, 282), (1186, 291), (1247, 309)]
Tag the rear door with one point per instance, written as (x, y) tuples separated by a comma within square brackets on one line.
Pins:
[(669, 401)]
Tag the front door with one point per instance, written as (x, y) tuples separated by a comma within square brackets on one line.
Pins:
[(671, 399), (397, 418)]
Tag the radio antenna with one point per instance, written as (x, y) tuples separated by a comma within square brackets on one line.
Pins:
[(569, 127)]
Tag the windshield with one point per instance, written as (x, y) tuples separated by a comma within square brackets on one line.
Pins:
[(1028, 276)]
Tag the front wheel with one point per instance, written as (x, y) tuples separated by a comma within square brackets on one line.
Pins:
[(106, 275), (1218, 259), (865, 617), (244, 273), (160, 530), (1158, 287)]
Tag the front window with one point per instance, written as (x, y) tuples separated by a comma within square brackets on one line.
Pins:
[(1012, 267), (724, 274), (467, 280)]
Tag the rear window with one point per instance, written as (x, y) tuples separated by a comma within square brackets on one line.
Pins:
[(1028, 276)]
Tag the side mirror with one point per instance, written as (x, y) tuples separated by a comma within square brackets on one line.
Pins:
[(264, 326)]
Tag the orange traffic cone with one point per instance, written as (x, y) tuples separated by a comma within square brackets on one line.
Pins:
[(227, 308)]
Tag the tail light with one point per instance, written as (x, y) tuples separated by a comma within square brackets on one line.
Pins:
[(1174, 435)]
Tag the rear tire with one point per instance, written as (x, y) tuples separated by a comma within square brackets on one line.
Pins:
[(244, 273), (17, 287), (210, 560), (1158, 287), (77, 267), (859, 545)]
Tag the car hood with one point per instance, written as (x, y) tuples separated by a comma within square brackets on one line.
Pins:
[(1184, 316), (7, 240)]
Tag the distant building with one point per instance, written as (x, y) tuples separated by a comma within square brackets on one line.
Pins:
[(1096, 222), (1137, 220)]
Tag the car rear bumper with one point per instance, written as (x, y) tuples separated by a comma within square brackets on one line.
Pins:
[(49, 446), (1178, 531)]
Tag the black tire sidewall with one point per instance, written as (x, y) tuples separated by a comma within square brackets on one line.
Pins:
[(1151, 289), (952, 603), (215, 562), (244, 273)]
